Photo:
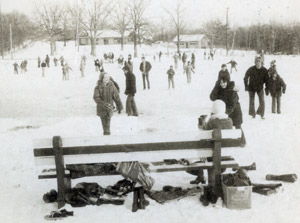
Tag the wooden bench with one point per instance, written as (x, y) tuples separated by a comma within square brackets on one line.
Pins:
[(58, 152)]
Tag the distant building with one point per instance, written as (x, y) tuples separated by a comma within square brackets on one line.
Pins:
[(104, 37), (193, 41)]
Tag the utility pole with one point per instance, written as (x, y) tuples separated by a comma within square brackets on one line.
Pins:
[(226, 31), (1, 27), (11, 53)]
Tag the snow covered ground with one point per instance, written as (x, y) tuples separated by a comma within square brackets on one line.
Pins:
[(35, 107)]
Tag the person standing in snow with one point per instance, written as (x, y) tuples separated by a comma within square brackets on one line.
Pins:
[(130, 91), (145, 68), (171, 74), (254, 80), (129, 63), (16, 66), (47, 60), (66, 71), (82, 68), (176, 57), (43, 65), (224, 72), (193, 58), (276, 87), (62, 60), (184, 57), (188, 70), (39, 62), (55, 61), (120, 61), (159, 55), (104, 94), (25, 65)]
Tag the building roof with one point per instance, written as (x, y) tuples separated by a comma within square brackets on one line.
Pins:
[(104, 34), (190, 38)]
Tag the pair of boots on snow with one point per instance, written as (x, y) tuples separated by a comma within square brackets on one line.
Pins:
[(139, 201)]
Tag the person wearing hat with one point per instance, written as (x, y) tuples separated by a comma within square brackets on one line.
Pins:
[(224, 72), (226, 91), (217, 120), (145, 67), (255, 79), (104, 94), (276, 87), (130, 91)]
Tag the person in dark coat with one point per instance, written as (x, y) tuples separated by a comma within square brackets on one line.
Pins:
[(193, 59), (39, 62), (224, 73), (104, 94), (254, 80), (225, 91), (130, 91), (145, 67), (16, 66), (47, 60), (171, 74), (276, 87), (129, 63)]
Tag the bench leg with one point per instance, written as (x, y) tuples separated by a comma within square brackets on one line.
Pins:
[(63, 183), (215, 173)]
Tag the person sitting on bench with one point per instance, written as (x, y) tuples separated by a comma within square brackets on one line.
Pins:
[(217, 120)]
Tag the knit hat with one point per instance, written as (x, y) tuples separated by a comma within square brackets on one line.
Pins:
[(223, 65), (218, 110)]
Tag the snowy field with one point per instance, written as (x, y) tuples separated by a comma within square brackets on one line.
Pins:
[(32, 106)]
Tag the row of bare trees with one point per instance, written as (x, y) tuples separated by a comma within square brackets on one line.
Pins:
[(57, 20)]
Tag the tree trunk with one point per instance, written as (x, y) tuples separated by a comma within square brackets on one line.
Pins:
[(233, 41), (52, 49), (135, 44), (93, 46), (178, 39), (122, 42)]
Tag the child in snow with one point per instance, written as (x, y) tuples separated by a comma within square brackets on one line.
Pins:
[(276, 87), (171, 74), (15, 68), (188, 69)]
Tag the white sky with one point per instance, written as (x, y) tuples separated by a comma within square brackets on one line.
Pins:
[(241, 12)]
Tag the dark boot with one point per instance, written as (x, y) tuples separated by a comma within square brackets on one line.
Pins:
[(204, 197), (143, 203), (135, 201)]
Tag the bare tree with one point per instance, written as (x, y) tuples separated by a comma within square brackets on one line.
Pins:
[(137, 10), (49, 16), (177, 16), (93, 17), (121, 19)]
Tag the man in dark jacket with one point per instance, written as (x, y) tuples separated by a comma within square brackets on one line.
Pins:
[(225, 91), (254, 80), (145, 67), (130, 91)]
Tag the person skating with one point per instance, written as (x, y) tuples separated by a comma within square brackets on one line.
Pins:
[(233, 64), (145, 68), (55, 61), (120, 61), (66, 70), (193, 59), (276, 87), (104, 94), (176, 57), (171, 74), (130, 91), (82, 68), (255, 79), (224, 73)]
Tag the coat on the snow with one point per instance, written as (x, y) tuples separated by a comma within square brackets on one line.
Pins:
[(255, 79), (231, 99), (130, 84), (276, 87), (105, 95)]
